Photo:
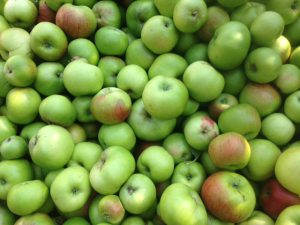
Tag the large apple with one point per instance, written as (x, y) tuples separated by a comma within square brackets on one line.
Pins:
[(289, 215)]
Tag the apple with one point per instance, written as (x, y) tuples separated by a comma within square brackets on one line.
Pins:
[(133, 220), (283, 46), (5, 87), (231, 38), (231, 3), (45, 14), (207, 163), (191, 107), (81, 78), (107, 14), (13, 147), (291, 32), (286, 169), (48, 41), (76, 220), (274, 198), (235, 80), (3, 24), (228, 196), (152, 30), (113, 168), (77, 132), (83, 22), (291, 106), (111, 209), (165, 7), (294, 57), (6, 216), (288, 80), (272, 126), (29, 130), (71, 189), (56, 4), (82, 107), (36, 218), (289, 10), (199, 129), (220, 104), (289, 215), (7, 128), (52, 156), (88, 3), (258, 218), (94, 214), (261, 150), (212, 220), (173, 198), (197, 52)]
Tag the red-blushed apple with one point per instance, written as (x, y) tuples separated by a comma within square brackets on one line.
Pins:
[(221, 103), (230, 151), (229, 196), (111, 209), (289, 215), (45, 14), (274, 198), (76, 21)]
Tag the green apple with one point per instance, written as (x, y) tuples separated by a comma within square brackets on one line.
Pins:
[(231, 3), (20, 71), (27, 197), (235, 80), (111, 209), (190, 173), (48, 41), (133, 220), (207, 163), (288, 80), (241, 118), (44, 12), (52, 156), (212, 220), (6, 216), (7, 128), (191, 107), (292, 33), (228, 196), (14, 41), (258, 218), (112, 169), (147, 127), (168, 64), (129, 73), (21, 13), (177, 146), (111, 41), (289, 10), (292, 107), (36, 218), (3, 24), (82, 107), (263, 97), (165, 7), (144, 58), (197, 52), (173, 198), (138, 194), (231, 38), (88, 3), (286, 169), (137, 13), (165, 97), (13, 147), (29, 130), (185, 41), (283, 46), (190, 15), (22, 105), (107, 14), (152, 32), (120, 134), (294, 57), (272, 126), (156, 163), (261, 150), (5, 87), (266, 28), (76, 221), (93, 213), (288, 216), (83, 48), (77, 132), (199, 129), (56, 4), (83, 23)]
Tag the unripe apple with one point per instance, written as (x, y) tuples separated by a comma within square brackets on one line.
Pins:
[(107, 14), (288, 79)]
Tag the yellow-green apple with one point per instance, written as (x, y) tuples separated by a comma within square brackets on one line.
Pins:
[(71, 189), (235, 80), (294, 57), (129, 73), (152, 32), (228, 196), (292, 106), (27, 197), (82, 24), (82, 107), (173, 198), (231, 3), (21, 13), (6, 216), (3, 24), (272, 126), (147, 127), (199, 129), (77, 132), (289, 215), (165, 7), (232, 38), (7, 128), (258, 218), (49, 78), (229, 151), (22, 105), (52, 156), (15, 41), (56, 4), (197, 52), (165, 97), (144, 58), (48, 41), (138, 194), (288, 80), (286, 169), (13, 172), (263, 97), (156, 163), (203, 81), (247, 120), (133, 220), (45, 14), (5, 87), (191, 107), (283, 46), (36, 218), (107, 14), (111, 105), (13, 147), (274, 198), (111, 171), (220, 104), (111, 209), (81, 78), (261, 150), (29, 130), (111, 41), (207, 163), (289, 10), (120, 134), (137, 13), (168, 64)]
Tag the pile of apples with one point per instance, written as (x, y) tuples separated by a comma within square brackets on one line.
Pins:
[(149, 112)]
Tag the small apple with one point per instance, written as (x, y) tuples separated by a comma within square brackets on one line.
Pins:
[(111, 209), (5, 87), (56, 4), (283, 46), (45, 14), (13, 147), (165, 7), (220, 104), (197, 52), (231, 3), (7, 128), (107, 14), (235, 80), (29, 130), (291, 32), (75, 221), (36, 218)]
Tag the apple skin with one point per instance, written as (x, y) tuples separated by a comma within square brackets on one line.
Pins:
[(36, 218), (165, 7), (6, 216), (82, 107), (76, 220), (291, 106), (288, 80), (111, 209), (5, 87), (170, 206), (258, 218), (3, 24), (45, 14), (235, 80), (107, 14), (110, 172), (29, 130), (220, 104), (83, 22), (7, 128), (289, 10), (230, 151), (291, 32), (289, 215), (196, 52), (217, 194), (13, 147), (274, 198)]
